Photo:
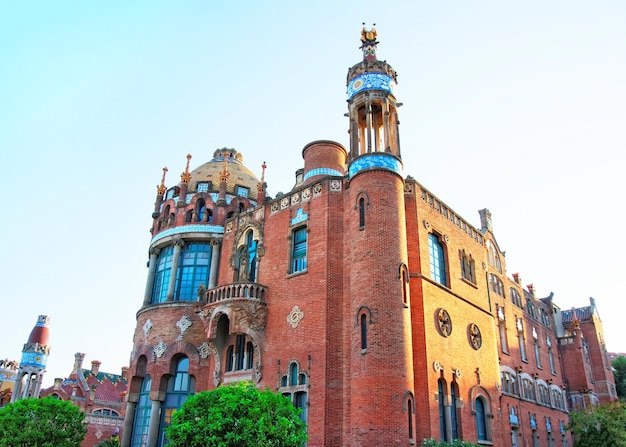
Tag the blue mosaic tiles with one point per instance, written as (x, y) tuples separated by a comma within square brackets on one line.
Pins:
[(375, 160), (301, 216), (371, 81), (322, 171), (188, 229)]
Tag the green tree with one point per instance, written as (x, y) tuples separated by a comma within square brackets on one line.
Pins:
[(237, 415), (41, 423), (619, 371), (604, 425)]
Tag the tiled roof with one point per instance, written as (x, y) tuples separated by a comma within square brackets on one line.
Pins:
[(582, 314), (109, 387)]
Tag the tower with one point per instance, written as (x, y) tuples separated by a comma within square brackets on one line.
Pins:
[(382, 402), (34, 358)]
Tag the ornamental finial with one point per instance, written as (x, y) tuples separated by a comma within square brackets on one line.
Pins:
[(369, 42), (263, 166), (225, 174), (161, 188), (186, 176)]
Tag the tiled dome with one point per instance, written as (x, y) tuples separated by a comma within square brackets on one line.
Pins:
[(239, 174)]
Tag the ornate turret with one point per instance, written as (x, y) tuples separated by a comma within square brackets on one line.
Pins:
[(373, 109), (34, 358)]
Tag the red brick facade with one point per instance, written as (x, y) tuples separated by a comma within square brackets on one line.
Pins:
[(378, 310)]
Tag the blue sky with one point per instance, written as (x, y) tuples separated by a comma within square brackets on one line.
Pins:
[(516, 107)]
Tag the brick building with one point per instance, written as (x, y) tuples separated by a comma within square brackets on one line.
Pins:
[(99, 394), (382, 313)]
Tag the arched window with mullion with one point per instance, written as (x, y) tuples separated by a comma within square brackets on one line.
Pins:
[(481, 419), (162, 275), (141, 422), (179, 387)]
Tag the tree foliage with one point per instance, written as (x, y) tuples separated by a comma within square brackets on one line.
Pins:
[(236, 415), (41, 423), (619, 372), (600, 426)]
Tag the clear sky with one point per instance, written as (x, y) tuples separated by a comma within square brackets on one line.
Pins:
[(519, 107)]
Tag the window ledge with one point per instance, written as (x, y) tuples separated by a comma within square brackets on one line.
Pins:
[(468, 282), (301, 272)]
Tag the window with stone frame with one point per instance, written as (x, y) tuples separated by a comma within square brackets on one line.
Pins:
[(468, 267), (299, 249), (437, 259), (515, 297), (496, 285), (294, 385)]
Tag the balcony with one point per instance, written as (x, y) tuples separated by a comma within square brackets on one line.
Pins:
[(236, 291)]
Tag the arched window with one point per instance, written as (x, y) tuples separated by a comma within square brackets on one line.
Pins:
[(515, 297), (200, 210), (193, 270), (468, 267), (162, 275), (363, 322), (437, 256), (141, 421), (409, 411), (443, 419), (494, 258), (240, 356), (481, 419), (361, 213), (294, 386), (454, 419), (189, 216), (179, 387)]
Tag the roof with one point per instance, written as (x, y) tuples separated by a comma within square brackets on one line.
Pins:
[(582, 314), (109, 387), (238, 174)]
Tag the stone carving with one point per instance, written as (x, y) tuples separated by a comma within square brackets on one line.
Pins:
[(306, 194), (274, 207), (408, 188), (147, 327), (444, 322), (249, 314), (335, 185), (284, 202), (317, 190), (295, 199), (160, 349), (474, 335), (229, 226), (295, 316), (204, 350), (183, 324)]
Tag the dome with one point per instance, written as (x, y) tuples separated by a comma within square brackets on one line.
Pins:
[(40, 333), (240, 176)]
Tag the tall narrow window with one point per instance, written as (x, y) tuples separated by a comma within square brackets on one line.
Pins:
[(441, 397), (409, 411), (454, 420), (162, 275), (468, 267), (481, 419), (141, 421), (294, 386), (240, 347), (200, 211), (537, 354), (361, 213), (298, 255), (179, 387), (551, 359), (437, 260), (363, 331)]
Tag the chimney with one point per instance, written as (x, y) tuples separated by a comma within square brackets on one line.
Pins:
[(78, 361), (485, 220), (57, 383), (517, 279), (531, 289), (95, 367)]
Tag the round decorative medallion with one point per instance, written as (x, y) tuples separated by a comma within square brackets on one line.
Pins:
[(474, 336), (444, 322), (295, 316)]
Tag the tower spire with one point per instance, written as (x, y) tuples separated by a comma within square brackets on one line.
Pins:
[(185, 177), (161, 187)]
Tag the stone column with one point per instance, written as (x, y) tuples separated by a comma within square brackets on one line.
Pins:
[(178, 246), (154, 258), (153, 428), (368, 125), (215, 254), (129, 420)]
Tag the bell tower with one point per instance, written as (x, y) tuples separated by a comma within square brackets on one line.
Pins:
[(381, 349), (371, 103), (33, 365)]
